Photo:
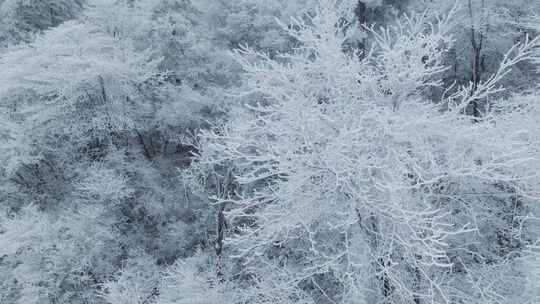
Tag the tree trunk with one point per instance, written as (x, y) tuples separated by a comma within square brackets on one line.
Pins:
[(386, 285), (477, 40)]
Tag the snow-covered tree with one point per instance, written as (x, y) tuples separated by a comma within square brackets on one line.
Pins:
[(93, 128), (55, 258), (21, 19), (484, 30), (336, 162), (350, 181), (136, 283)]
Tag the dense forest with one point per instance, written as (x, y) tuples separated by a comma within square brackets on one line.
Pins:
[(269, 152)]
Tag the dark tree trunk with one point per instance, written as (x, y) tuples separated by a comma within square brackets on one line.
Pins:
[(477, 41)]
